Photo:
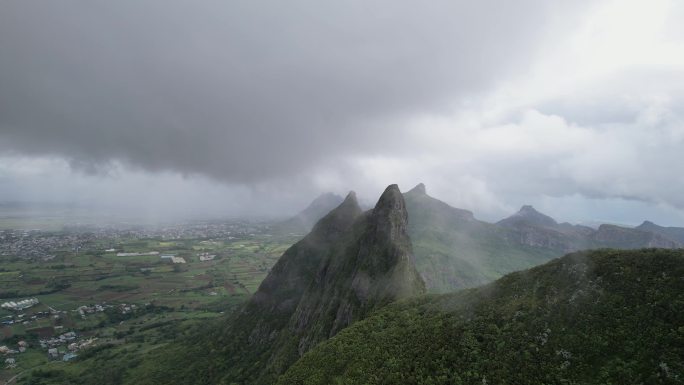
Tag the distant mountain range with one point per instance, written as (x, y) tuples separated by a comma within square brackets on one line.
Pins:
[(454, 250), (673, 233)]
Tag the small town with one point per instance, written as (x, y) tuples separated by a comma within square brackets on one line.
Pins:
[(44, 245)]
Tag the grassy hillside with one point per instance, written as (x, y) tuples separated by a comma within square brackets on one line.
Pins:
[(602, 317), (454, 250)]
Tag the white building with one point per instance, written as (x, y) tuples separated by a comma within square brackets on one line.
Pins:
[(21, 305), (177, 259)]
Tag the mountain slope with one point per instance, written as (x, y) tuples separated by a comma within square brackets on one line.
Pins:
[(673, 233), (602, 317), (349, 265), (454, 250), (304, 221)]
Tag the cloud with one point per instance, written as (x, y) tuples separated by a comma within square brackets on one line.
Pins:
[(493, 169), (245, 91)]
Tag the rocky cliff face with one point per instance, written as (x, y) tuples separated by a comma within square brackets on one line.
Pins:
[(374, 267), (350, 264), (282, 288)]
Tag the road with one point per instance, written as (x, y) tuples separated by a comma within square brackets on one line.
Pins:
[(8, 382)]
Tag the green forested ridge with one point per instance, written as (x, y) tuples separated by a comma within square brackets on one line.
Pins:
[(601, 317)]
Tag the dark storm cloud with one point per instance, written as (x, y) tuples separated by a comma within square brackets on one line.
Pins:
[(245, 90)]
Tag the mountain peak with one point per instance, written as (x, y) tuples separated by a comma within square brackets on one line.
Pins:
[(390, 198), (390, 214), (373, 268), (419, 189), (528, 208), (307, 218), (350, 200), (530, 216), (341, 217), (673, 233)]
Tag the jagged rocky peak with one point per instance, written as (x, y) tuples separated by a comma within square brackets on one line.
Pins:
[(341, 217), (286, 282), (419, 189), (370, 268), (386, 249), (390, 212)]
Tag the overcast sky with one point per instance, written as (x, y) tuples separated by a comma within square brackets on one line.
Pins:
[(255, 107)]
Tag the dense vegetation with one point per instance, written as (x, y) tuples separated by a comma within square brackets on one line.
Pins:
[(603, 317)]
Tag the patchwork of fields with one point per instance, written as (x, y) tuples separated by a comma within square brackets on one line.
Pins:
[(130, 301)]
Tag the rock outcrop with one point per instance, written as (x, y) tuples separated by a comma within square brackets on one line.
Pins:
[(349, 265), (374, 267)]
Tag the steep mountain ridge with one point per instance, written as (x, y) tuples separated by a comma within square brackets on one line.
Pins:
[(350, 264), (304, 221), (374, 270)]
